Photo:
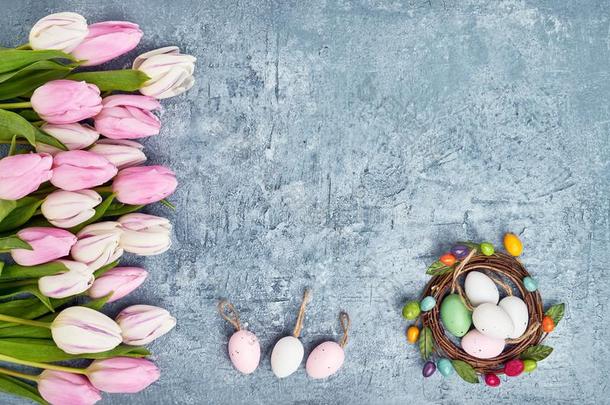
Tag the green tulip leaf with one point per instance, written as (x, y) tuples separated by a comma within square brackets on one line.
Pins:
[(31, 289), (438, 268), (556, 312), (536, 353), (117, 209), (465, 371), (25, 85), (30, 115), (109, 80), (14, 386), (6, 206), (426, 343), (12, 242), (99, 212), (14, 124), (17, 272), (28, 308), (24, 210), (14, 59)]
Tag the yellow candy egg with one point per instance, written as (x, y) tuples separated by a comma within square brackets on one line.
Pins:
[(412, 334), (512, 244)]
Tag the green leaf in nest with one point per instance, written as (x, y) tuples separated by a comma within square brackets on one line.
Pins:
[(438, 268), (109, 80), (15, 386), (465, 371), (426, 343), (537, 353), (556, 312)]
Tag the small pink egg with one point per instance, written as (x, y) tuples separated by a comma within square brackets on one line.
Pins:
[(325, 360), (244, 351), (481, 346)]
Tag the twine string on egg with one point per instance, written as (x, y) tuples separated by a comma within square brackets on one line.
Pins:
[(229, 313), (298, 327), (345, 324)]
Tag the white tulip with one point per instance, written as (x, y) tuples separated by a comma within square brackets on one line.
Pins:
[(98, 244), (141, 324), (73, 136), (65, 209), (60, 31), (76, 280), (145, 234), (170, 72), (120, 152), (78, 330)]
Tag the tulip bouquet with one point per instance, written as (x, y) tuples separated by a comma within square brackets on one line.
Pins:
[(70, 191)]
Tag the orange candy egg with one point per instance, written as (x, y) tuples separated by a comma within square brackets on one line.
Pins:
[(412, 334), (448, 259), (548, 324), (513, 245)]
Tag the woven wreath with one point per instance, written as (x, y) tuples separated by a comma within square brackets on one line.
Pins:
[(443, 351)]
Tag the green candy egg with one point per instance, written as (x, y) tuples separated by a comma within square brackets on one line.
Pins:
[(444, 367), (427, 303), (487, 248), (411, 310), (530, 284), (455, 316), (529, 365)]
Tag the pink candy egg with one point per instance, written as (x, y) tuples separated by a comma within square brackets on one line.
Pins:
[(481, 346), (325, 360), (244, 351)]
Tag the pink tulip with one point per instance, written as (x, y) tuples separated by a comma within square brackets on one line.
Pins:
[(141, 324), (22, 174), (66, 101), (122, 374), (73, 136), (120, 152), (128, 117), (144, 184), (47, 244), (79, 169), (119, 281), (61, 388), (106, 41)]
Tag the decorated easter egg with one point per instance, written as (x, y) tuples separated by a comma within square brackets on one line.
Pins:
[(244, 351), (530, 284), (411, 310), (286, 356), (447, 259), (529, 365), (455, 316), (480, 346), (480, 288), (325, 360), (512, 244), (514, 367), (493, 321), (412, 334), (429, 369), (460, 251), (487, 248), (517, 311), (492, 380), (444, 367), (427, 303), (548, 324)]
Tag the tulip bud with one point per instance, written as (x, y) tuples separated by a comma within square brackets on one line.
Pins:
[(141, 324), (66, 209), (120, 152), (106, 41), (79, 169), (122, 374), (60, 31), (73, 136), (61, 388), (76, 280), (119, 281), (170, 72), (22, 174), (78, 330), (98, 244), (47, 244), (144, 234), (144, 184), (66, 101), (127, 116)]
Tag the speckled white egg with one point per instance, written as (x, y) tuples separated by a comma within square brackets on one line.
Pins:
[(244, 351), (286, 356), (517, 311), (480, 346), (493, 321), (325, 360), (480, 288)]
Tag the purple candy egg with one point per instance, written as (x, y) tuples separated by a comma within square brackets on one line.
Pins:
[(460, 251), (429, 369)]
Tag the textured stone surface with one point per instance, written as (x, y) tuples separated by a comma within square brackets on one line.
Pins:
[(343, 145)]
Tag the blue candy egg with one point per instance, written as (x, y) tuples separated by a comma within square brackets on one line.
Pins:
[(427, 303), (530, 284), (444, 367)]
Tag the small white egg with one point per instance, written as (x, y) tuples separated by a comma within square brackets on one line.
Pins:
[(286, 356), (493, 321), (480, 288), (517, 311)]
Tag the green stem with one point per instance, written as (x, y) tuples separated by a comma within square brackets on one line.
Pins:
[(20, 283), (17, 374), (46, 366), (24, 46), (28, 322), (168, 204), (9, 106)]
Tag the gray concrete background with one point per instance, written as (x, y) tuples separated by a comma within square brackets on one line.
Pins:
[(343, 145)]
